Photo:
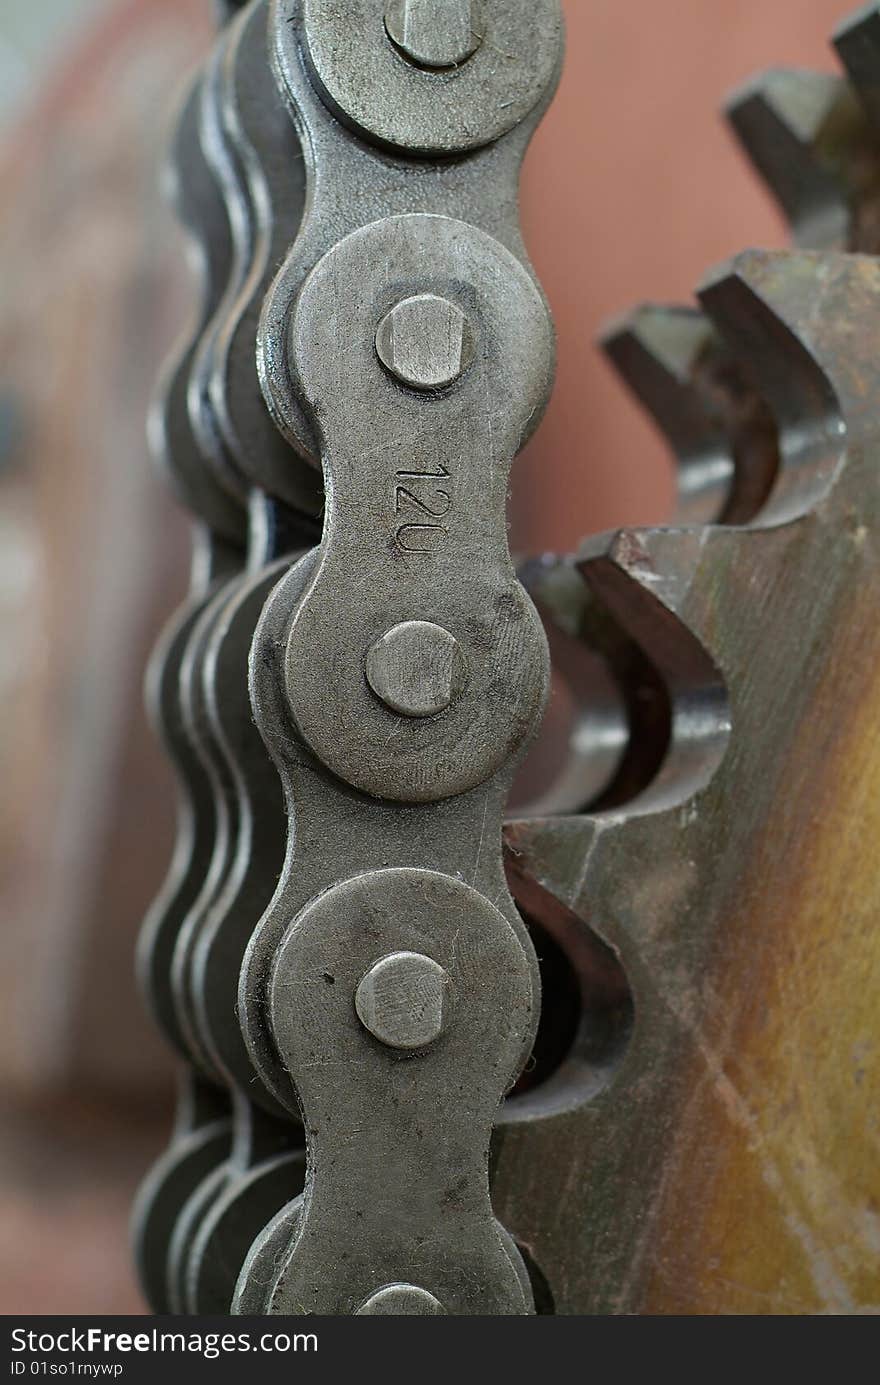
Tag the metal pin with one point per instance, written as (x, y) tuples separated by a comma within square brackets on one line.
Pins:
[(435, 33), (425, 341), (416, 668), (400, 1300), (402, 1000)]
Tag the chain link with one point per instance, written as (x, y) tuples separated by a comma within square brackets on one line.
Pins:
[(371, 278)]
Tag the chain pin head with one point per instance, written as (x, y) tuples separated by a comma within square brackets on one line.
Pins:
[(416, 668), (425, 342), (402, 1001), (435, 33), (400, 1300)]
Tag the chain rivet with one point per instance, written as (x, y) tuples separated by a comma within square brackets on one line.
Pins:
[(400, 1300), (416, 668), (402, 1000), (435, 33), (425, 342)]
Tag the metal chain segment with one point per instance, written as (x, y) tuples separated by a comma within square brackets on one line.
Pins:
[(249, 152), (507, 60), (219, 553), (203, 1130), (416, 501), (408, 1201), (334, 824), (207, 1201), (257, 127), (446, 367), (350, 183), (264, 1167), (201, 208), (233, 1199), (226, 169), (200, 1142), (483, 187), (195, 812), (260, 841), (226, 816)]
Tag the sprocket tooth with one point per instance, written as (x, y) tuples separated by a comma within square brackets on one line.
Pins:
[(822, 305), (690, 898), (657, 350), (656, 342), (643, 577), (857, 40), (804, 133), (797, 317), (719, 428)]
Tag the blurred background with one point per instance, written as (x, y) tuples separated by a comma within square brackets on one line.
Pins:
[(632, 189)]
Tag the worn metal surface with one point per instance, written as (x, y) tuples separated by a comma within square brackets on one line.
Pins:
[(403, 1000), (348, 953), (435, 33), (399, 531), (386, 184), (424, 1118), (708, 1174), (472, 336), (416, 668), (703, 399), (425, 341), (461, 108), (401, 1299)]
